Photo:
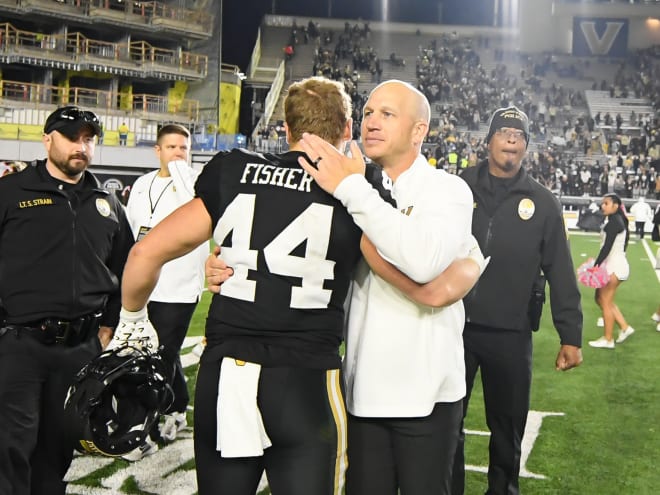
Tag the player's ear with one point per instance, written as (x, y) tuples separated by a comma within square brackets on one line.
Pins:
[(348, 130)]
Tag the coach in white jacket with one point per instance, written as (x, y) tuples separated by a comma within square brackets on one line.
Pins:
[(404, 366), (172, 303)]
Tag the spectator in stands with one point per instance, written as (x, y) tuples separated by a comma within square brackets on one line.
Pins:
[(313, 29), (603, 181), (505, 306), (396, 60), (289, 51), (612, 257), (619, 185), (123, 134)]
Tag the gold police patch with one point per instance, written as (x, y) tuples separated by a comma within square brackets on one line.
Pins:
[(103, 207), (526, 208)]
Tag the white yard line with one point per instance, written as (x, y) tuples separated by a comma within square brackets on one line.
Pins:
[(651, 257)]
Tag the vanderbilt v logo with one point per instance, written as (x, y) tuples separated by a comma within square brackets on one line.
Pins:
[(600, 45)]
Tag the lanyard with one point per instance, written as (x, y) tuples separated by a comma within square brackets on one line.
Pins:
[(153, 205)]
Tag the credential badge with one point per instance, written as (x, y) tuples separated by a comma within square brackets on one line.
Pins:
[(103, 207), (526, 208)]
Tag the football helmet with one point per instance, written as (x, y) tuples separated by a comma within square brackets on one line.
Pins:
[(115, 400)]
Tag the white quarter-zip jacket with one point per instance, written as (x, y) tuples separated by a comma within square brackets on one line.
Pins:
[(402, 357)]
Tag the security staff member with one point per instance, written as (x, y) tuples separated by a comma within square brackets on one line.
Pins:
[(63, 244), (519, 224)]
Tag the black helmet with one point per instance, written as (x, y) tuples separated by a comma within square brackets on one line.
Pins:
[(115, 400)]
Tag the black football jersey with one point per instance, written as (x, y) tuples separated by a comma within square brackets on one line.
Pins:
[(293, 249)]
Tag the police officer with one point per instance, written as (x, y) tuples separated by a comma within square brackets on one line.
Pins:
[(519, 224), (63, 244)]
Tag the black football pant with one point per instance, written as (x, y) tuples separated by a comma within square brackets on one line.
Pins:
[(413, 455), (505, 360), (171, 321), (35, 447), (639, 229), (304, 417)]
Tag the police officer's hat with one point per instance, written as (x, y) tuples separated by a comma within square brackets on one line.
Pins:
[(69, 120)]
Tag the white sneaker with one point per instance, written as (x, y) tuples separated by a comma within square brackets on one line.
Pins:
[(655, 317), (624, 334), (600, 322), (602, 343), (658, 327), (173, 424), (147, 448)]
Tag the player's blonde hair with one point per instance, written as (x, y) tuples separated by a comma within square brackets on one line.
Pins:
[(319, 106)]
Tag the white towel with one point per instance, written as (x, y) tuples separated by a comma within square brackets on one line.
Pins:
[(241, 431)]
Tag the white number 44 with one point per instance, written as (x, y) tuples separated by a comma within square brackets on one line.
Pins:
[(312, 225)]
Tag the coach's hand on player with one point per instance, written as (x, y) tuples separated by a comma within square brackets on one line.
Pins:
[(216, 271), (569, 357), (330, 165)]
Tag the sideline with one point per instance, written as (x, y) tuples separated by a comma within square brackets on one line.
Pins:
[(652, 257)]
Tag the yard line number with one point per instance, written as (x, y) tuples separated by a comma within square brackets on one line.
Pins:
[(312, 225)]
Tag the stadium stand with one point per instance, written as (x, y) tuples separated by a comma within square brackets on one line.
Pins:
[(140, 63), (465, 73)]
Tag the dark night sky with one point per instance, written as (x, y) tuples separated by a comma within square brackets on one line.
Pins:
[(241, 18)]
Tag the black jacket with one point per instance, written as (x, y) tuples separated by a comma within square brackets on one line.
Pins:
[(60, 257), (523, 234)]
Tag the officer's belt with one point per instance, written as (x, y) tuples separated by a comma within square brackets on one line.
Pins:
[(50, 331)]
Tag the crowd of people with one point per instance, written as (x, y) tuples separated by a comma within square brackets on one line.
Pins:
[(575, 153)]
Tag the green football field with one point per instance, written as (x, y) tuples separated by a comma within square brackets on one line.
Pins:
[(592, 430)]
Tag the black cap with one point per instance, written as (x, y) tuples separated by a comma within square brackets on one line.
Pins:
[(511, 117), (69, 120)]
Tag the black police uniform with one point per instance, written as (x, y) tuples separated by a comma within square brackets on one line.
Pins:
[(519, 224), (62, 252)]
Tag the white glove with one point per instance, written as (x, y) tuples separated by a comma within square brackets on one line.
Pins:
[(475, 254), (184, 177), (135, 330)]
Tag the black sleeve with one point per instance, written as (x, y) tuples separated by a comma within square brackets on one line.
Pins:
[(557, 266), (121, 245), (612, 229), (207, 187), (380, 182)]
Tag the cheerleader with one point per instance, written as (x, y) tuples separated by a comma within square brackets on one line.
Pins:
[(612, 256)]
